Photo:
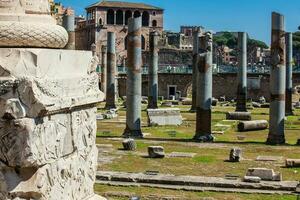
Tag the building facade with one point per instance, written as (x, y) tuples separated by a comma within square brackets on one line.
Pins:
[(58, 10), (112, 16)]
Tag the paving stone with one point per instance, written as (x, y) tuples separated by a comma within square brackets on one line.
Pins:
[(181, 155), (265, 174), (252, 179), (269, 158)]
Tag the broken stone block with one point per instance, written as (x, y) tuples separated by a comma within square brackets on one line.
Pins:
[(129, 145), (256, 105), (262, 100), (163, 117), (292, 163), (252, 179), (214, 102), (156, 152), (187, 101), (265, 174), (222, 98), (205, 138), (235, 155), (238, 116), (269, 158), (167, 104)]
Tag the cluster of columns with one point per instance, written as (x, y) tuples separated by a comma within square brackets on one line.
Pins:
[(280, 78)]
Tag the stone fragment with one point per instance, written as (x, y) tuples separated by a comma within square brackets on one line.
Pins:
[(187, 101), (252, 179), (129, 145), (222, 98), (238, 116), (214, 102), (252, 125), (265, 174), (269, 158), (256, 105), (163, 117), (206, 138), (167, 104), (156, 152), (292, 163), (298, 142), (181, 155), (262, 100), (235, 155)]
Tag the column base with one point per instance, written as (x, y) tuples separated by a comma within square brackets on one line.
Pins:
[(275, 139), (133, 133), (204, 138), (109, 107)]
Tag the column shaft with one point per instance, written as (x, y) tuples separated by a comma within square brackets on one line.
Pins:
[(134, 79), (153, 71), (69, 25), (277, 81), (241, 104), (204, 89), (103, 68), (111, 71), (289, 74)]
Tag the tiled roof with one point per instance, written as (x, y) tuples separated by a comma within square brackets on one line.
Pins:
[(122, 4)]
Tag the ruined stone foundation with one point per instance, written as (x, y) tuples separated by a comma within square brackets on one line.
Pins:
[(47, 124)]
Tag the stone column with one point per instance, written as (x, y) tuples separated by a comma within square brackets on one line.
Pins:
[(153, 71), (289, 74), (204, 89), (134, 79), (241, 104), (277, 81), (103, 68), (111, 71), (196, 34), (69, 25), (48, 107)]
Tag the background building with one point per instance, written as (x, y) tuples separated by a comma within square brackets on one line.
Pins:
[(58, 10), (112, 16)]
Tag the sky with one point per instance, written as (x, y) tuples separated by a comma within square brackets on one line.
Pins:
[(252, 16)]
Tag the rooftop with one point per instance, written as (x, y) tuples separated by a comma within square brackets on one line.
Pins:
[(122, 4)]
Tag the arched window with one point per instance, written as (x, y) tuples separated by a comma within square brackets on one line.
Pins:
[(110, 17), (154, 23), (143, 43), (100, 22), (145, 19), (136, 14), (119, 17), (128, 14)]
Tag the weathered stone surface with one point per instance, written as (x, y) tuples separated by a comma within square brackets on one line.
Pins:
[(292, 163), (252, 179), (269, 158), (265, 174), (252, 125), (42, 87), (129, 144), (47, 124), (181, 155), (235, 155), (163, 117), (256, 105), (28, 23), (167, 104), (156, 152), (238, 116)]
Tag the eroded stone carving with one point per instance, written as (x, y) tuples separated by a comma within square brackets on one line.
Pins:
[(47, 124)]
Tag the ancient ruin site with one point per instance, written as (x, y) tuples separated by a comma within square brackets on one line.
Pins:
[(107, 101)]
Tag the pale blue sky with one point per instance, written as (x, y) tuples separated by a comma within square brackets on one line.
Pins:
[(252, 16)]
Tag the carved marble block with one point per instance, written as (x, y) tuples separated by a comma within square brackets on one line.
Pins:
[(47, 124)]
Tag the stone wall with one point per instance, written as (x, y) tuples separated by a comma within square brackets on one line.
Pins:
[(223, 84)]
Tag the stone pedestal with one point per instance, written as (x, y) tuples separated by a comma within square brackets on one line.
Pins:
[(47, 124)]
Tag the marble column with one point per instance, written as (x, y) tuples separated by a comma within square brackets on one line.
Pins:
[(277, 81), (103, 68), (134, 79), (289, 74), (241, 104), (153, 71), (111, 71), (204, 89)]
